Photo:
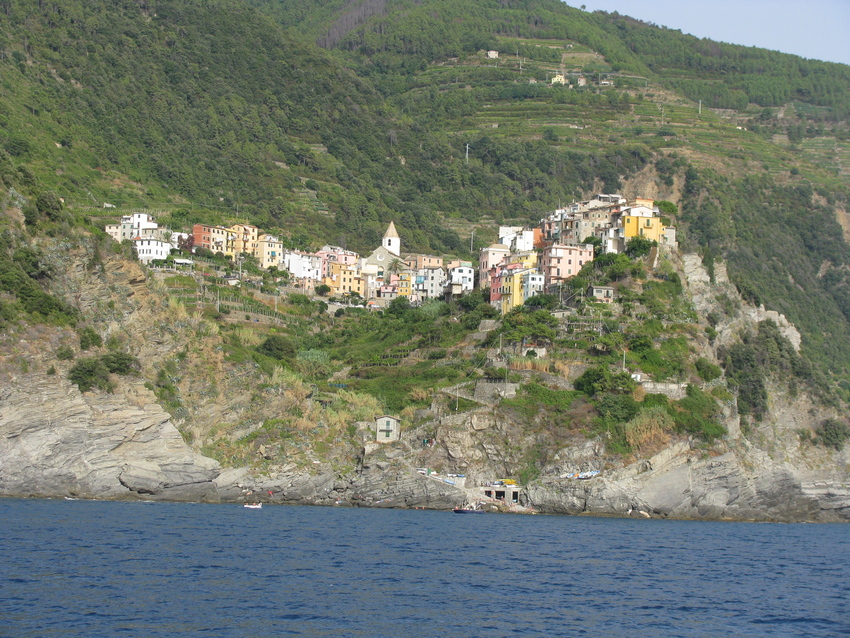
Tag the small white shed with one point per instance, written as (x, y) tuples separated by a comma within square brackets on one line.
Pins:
[(387, 428)]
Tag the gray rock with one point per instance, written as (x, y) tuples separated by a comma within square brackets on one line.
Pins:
[(55, 441)]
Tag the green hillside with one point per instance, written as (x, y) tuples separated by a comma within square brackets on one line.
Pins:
[(222, 110)]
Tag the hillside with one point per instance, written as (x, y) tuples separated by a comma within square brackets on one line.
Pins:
[(210, 111), (323, 122)]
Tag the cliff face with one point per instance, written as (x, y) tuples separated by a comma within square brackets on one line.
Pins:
[(763, 471), (56, 441)]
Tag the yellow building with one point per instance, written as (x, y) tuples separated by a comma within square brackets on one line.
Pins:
[(518, 283), (246, 238), (269, 251), (640, 226), (344, 279), (224, 241), (405, 284), (527, 259)]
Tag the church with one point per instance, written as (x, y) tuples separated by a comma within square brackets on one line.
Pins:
[(381, 257)]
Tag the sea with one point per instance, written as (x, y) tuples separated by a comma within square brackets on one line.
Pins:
[(100, 569)]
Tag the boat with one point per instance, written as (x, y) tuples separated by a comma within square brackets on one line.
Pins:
[(253, 506), (469, 509)]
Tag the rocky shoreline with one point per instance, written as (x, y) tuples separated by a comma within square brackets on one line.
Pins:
[(56, 442)]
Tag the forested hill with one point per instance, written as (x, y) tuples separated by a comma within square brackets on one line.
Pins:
[(400, 33), (216, 110)]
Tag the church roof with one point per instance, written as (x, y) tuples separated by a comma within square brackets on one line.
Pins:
[(391, 231)]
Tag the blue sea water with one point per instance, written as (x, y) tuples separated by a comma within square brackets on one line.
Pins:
[(97, 569)]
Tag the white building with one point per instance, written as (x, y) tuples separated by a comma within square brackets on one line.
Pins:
[(430, 282), (133, 226), (517, 238), (532, 284), (150, 249), (391, 240), (303, 265), (387, 428), (463, 276)]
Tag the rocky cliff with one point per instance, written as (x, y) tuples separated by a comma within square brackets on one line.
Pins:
[(56, 441)]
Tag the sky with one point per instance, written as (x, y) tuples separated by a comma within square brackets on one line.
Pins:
[(818, 29)]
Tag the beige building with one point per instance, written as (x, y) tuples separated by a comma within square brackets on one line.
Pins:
[(387, 428), (246, 238), (418, 262), (269, 251)]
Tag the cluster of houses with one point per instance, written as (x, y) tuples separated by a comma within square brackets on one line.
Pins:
[(523, 263), (382, 275), (151, 241), (526, 262)]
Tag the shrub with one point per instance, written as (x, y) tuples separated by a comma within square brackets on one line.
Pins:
[(648, 427), (90, 373), (707, 370), (65, 353), (833, 433), (89, 338), (121, 363), (277, 347)]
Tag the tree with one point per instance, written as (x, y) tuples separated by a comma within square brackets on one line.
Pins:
[(600, 379), (541, 301), (49, 206), (277, 347), (186, 244), (522, 325), (399, 306), (639, 246), (395, 266), (322, 290)]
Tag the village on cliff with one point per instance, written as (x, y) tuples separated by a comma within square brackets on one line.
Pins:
[(525, 262)]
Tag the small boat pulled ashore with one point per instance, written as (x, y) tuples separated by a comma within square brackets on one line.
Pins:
[(474, 508)]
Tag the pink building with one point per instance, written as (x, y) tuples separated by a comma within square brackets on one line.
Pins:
[(493, 255), (559, 262), (335, 254)]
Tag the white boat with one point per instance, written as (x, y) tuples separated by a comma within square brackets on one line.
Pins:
[(253, 506)]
